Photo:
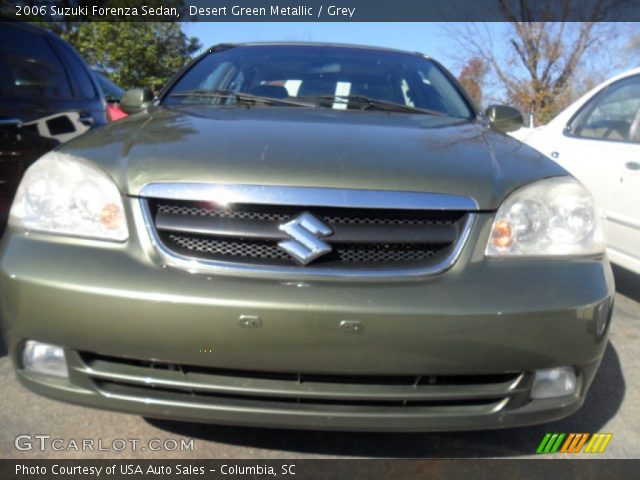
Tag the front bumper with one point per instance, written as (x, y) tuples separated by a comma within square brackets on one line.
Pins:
[(454, 351)]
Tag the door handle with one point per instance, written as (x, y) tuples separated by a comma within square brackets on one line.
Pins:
[(86, 119), (633, 166)]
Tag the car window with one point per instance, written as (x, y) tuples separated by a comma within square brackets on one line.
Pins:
[(612, 115), (304, 71), (29, 67), (83, 84)]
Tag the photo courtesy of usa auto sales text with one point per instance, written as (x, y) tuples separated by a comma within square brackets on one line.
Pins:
[(150, 469)]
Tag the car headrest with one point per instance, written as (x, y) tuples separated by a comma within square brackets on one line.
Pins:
[(634, 131), (312, 88), (271, 91)]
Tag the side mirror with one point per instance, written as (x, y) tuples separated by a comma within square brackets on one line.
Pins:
[(136, 100), (504, 118)]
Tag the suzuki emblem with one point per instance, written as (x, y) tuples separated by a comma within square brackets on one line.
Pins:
[(306, 243)]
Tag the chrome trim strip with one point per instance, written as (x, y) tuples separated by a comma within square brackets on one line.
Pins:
[(313, 390), (201, 266), (624, 222), (227, 194), (301, 408)]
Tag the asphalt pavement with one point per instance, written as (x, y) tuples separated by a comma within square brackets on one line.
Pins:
[(613, 405)]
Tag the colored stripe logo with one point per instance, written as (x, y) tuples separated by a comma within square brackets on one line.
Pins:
[(574, 443)]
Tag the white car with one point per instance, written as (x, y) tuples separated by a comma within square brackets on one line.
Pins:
[(597, 139)]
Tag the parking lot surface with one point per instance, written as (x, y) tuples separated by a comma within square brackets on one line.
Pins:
[(613, 405)]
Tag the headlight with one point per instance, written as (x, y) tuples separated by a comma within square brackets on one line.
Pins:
[(66, 195), (556, 216)]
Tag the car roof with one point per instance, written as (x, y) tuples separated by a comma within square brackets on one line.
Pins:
[(318, 44), (564, 116), (57, 41), (626, 73), (30, 28)]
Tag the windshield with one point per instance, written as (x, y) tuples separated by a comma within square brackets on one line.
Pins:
[(322, 76)]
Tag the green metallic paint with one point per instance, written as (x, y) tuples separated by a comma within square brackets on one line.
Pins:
[(314, 148), (485, 313), (481, 316)]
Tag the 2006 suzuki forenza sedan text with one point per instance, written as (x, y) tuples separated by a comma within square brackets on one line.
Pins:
[(307, 236)]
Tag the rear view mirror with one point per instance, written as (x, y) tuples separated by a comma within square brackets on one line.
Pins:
[(504, 118), (136, 100)]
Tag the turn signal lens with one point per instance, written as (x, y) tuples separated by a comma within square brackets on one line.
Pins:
[(501, 235), (111, 216)]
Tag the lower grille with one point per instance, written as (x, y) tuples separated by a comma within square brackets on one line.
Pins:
[(196, 384), (126, 389)]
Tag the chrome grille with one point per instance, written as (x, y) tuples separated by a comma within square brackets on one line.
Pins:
[(264, 230), (182, 229)]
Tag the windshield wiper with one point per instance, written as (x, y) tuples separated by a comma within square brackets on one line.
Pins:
[(366, 103), (240, 97)]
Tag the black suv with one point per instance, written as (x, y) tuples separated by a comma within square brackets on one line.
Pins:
[(48, 95)]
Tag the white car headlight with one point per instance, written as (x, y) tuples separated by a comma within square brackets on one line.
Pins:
[(556, 216), (64, 194)]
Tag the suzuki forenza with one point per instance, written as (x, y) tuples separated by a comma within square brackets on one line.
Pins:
[(307, 236)]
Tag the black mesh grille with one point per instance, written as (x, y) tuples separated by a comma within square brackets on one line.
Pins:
[(255, 250), (359, 245), (178, 209), (387, 221), (386, 253), (238, 250), (243, 214)]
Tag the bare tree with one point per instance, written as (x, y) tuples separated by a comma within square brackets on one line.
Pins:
[(472, 77), (633, 46), (535, 62)]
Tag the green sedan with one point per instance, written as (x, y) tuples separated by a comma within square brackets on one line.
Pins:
[(307, 236)]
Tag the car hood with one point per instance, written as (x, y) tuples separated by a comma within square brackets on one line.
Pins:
[(300, 146)]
